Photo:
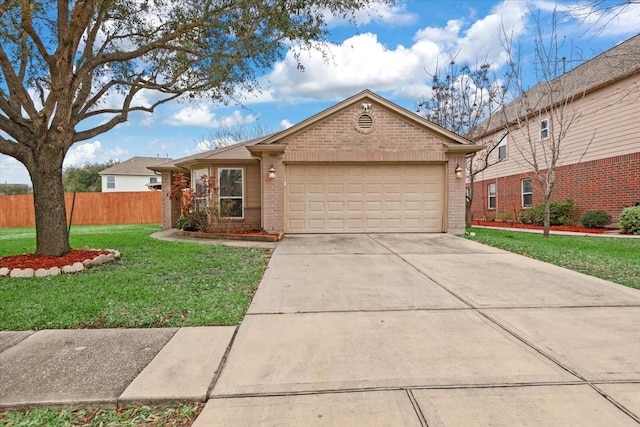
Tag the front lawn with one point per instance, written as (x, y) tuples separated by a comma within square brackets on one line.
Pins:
[(614, 259), (155, 283)]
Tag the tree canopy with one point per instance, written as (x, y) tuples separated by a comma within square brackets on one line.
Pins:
[(72, 70)]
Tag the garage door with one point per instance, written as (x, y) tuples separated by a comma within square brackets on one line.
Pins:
[(364, 198)]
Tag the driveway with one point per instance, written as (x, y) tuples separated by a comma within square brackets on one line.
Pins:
[(428, 329)]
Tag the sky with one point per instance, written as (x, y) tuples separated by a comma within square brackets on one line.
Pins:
[(390, 51)]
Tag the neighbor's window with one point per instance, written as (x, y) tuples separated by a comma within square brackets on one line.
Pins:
[(491, 191), (199, 179), (502, 147), (153, 180), (544, 129), (231, 181), (527, 193), (111, 181)]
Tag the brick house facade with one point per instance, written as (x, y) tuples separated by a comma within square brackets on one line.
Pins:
[(599, 166), (363, 165)]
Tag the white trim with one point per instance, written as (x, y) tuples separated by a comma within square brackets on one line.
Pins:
[(522, 192), (544, 130), (241, 198), (495, 196)]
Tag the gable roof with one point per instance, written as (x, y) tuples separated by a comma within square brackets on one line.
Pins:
[(613, 65), (134, 166), (235, 152), (454, 139)]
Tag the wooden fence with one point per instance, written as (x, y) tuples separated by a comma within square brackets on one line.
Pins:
[(144, 207)]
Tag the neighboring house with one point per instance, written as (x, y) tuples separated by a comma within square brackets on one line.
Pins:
[(132, 175), (363, 165), (599, 164)]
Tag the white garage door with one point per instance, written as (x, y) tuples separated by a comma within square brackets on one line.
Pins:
[(364, 198)]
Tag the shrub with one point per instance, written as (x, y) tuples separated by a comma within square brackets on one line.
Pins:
[(560, 213), (630, 220), (595, 219), (197, 220)]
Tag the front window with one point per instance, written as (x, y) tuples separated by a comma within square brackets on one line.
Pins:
[(111, 181), (544, 129), (502, 147), (231, 191), (491, 191), (200, 178), (527, 193)]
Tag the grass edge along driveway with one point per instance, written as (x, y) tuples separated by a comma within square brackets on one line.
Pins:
[(154, 284), (609, 258)]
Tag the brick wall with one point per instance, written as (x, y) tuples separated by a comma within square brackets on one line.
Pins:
[(609, 184), (337, 139)]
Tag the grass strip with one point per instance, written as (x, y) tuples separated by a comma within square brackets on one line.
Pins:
[(139, 415), (609, 258)]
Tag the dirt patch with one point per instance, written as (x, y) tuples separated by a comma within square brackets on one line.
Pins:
[(39, 261)]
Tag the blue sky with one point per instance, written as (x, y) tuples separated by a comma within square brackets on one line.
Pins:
[(390, 52)]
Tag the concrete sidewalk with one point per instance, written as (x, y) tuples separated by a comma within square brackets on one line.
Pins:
[(375, 330)]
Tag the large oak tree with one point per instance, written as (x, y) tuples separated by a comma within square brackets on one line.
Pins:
[(72, 70)]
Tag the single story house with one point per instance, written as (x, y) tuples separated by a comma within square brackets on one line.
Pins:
[(132, 175), (362, 165)]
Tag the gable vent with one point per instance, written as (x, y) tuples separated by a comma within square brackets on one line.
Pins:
[(365, 122)]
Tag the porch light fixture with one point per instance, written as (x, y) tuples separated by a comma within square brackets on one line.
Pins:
[(272, 173), (458, 171)]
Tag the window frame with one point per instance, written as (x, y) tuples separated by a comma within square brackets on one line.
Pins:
[(502, 144), (528, 193), (544, 129), (233, 197), (491, 197), (201, 200), (111, 182)]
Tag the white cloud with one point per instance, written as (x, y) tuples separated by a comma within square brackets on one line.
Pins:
[(286, 124), (92, 152), (203, 115), (12, 171), (192, 116), (363, 62), (617, 20)]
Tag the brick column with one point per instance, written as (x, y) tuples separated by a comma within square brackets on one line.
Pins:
[(455, 195), (273, 193)]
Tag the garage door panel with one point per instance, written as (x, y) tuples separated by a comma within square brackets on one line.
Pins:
[(364, 198)]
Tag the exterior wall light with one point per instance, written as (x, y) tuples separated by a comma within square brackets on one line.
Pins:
[(458, 171), (272, 173)]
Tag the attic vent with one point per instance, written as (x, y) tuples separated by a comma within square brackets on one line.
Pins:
[(365, 123)]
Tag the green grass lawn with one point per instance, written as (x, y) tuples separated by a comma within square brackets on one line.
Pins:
[(147, 415), (615, 259), (154, 284)]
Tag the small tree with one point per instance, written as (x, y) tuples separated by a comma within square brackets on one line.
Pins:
[(539, 120), (463, 101), (228, 134)]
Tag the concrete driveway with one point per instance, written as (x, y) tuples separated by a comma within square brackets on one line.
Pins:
[(428, 329)]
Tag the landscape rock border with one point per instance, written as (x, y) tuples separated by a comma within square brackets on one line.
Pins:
[(55, 271)]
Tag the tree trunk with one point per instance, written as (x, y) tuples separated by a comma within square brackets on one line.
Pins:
[(468, 217), (547, 220), (52, 235)]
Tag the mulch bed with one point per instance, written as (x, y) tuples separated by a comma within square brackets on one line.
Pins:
[(571, 228), (35, 261)]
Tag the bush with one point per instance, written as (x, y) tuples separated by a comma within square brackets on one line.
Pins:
[(194, 221), (560, 213), (630, 220), (595, 219)]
